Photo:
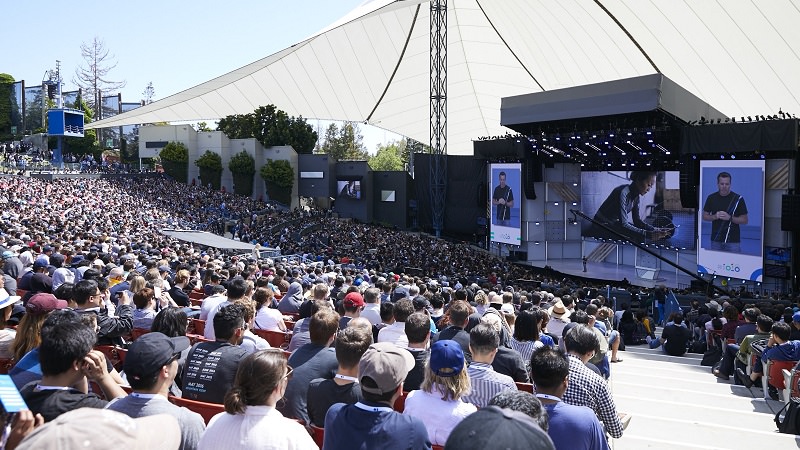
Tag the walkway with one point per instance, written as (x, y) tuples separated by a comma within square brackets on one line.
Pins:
[(678, 404)]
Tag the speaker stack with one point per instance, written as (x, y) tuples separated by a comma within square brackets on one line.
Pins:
[(689, 180), (790, 212)]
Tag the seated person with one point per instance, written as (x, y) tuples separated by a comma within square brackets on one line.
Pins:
[(372, 423), (439, 402), (67, 361), (211, 366), (674, 337), (351, 343), (732, 351), (419, 335), (494, 427), (151, 365), (311, 361), (570, 426), (779, 348), (486, 383)]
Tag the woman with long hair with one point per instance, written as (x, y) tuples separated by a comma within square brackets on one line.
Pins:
[(250, 420), (438, 402)]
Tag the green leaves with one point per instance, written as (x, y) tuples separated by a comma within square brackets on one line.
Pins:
[(209, 160), (279, 172), (175, 152), (271, 127), (242, 164)]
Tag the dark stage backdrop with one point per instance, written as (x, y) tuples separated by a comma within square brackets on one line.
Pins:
[(466, 198)]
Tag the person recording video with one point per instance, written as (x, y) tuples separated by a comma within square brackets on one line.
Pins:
[(620, 211), (726, 210)]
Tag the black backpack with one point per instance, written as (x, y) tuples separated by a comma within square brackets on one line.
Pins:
[(791, 421)]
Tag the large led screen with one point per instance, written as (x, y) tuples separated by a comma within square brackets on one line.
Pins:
[(732, 219), (349, 189), (637, 206), (506, 199)]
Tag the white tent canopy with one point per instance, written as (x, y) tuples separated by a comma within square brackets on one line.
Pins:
[(372, 66)]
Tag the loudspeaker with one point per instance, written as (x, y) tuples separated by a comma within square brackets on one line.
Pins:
[(689, 180), (501, 148), (790, 212), (483, 195), (532, 172), (697, 285)]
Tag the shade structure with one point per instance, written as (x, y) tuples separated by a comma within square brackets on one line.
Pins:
[(208, 239), (372, 65)]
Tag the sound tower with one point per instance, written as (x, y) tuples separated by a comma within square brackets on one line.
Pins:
[(689, 181), (532, 171), (790, 212)]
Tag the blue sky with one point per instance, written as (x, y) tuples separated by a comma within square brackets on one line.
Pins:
[(176, 45)]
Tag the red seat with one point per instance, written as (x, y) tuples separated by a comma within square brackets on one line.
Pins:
[(289, 324), (136, 332), (207, 410), (195, 338), (277, 339), (319, 435), (400, 403), (196, 302), (197, 295), (199, 326), (527, 387), (775, 372), (437, 447), (114, 354)]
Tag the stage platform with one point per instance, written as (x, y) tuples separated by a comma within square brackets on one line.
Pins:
[(669, 277)]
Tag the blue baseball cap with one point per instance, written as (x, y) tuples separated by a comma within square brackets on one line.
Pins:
[(447, 358)]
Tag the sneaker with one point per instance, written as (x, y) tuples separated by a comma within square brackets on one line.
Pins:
[(744, 378), (625, 418), (648, 339)]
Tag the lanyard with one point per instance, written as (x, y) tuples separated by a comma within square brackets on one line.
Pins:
[(145, 396), (39, 387), (346, 378), (360, 405), (548, 397)]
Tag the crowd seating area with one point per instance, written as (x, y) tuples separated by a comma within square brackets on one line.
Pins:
[(109, 231)]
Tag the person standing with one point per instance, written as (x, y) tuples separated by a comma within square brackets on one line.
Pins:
[(726, 210), (503, 199)]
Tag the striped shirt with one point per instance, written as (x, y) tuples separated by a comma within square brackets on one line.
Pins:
[(525, 349), (486, 383)]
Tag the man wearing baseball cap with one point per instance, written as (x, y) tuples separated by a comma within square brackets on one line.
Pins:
[(151, 366), (372, 423), (353, 303)]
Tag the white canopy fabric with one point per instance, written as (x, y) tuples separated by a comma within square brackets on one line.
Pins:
[(740, 56)]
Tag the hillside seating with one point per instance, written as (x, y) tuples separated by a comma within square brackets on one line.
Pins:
[(206, 410)]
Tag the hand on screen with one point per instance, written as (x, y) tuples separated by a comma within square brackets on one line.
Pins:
[(501, 202), (722, 215)]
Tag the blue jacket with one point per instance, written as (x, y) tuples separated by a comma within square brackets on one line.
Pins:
[(788, 351)]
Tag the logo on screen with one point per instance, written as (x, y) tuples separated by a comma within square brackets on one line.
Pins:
[(729, 267)]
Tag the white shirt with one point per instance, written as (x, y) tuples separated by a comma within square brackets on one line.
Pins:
[(210, 304), (259, 428), (439, 416), (394, 333), (372, 312), (268, 319), (208, 332)]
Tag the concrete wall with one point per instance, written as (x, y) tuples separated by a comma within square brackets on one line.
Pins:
[(218, 142)]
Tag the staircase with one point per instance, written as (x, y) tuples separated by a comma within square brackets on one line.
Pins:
[(678, 404), (601, 252)]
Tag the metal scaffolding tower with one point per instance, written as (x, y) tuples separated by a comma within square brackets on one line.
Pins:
[(438, 110)]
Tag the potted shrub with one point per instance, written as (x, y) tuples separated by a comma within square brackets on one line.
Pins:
[(278, 175), (210, 165), (243, 167), (175, 161)]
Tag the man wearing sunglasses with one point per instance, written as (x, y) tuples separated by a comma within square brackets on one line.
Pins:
[(150, 366)]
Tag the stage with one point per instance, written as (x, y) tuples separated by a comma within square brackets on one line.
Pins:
[(669, 277)]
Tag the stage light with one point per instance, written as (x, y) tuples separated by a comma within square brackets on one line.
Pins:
[(536, 223), (575, 184), (749, 119), (536, 242), (574, 203), (763, 156), (694, 156), (733, 156), (721, 156), (555, 203)]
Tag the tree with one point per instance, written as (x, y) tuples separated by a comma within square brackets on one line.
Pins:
[(92, 77), (210, 165), (278, 175), (148, 93), (388, 157), (412, 146), (8, 105), (345, 143), (202, 127), (175, 160), (270, 126), (243, 167)]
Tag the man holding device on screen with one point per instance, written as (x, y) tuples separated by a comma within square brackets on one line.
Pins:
[(726, 210), (503, 198)]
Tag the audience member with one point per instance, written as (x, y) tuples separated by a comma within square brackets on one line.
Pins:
[(493, 427), (251, 420), (485, 382), (524, 402), (419, 334), (396, 331), (459, 313)]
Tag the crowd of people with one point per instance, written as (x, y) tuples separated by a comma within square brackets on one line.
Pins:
[(398, 339)]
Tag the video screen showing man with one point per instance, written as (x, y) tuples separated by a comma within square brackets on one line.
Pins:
[(726, 210), (620, 211), (350, 189), (503, 199)]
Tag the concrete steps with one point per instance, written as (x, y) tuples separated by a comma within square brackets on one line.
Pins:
[(678, 404)]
